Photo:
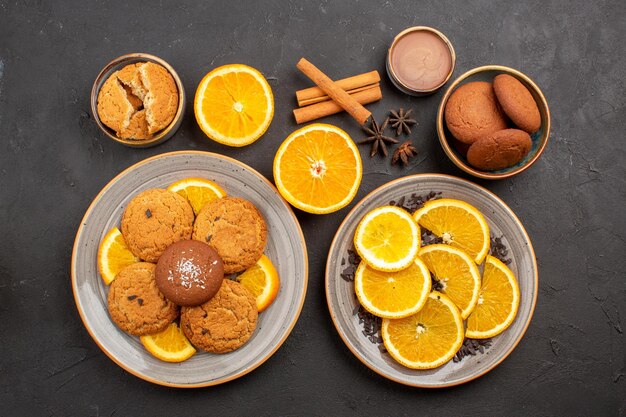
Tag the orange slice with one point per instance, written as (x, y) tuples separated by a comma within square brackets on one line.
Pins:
[(427, 339), (169, 345), (262, 280), (198, 191), (318, 169), (234, 105), (498, 301), (114, 255), (387, 238), (393, 295), (457, 274), (459, 224)]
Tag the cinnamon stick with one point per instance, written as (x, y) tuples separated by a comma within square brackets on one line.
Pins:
[(328, 107), (351, 85), (339, 96)]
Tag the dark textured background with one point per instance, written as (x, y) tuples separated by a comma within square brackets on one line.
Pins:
[(53, 161)]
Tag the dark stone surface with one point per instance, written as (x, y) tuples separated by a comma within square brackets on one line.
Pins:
[(53, 161)]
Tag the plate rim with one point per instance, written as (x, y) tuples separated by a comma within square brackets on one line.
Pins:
[(335, 240), (90, 208)]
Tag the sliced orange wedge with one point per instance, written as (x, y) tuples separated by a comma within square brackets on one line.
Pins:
[(498, 301), (458, 223), (318, 169), (114, 255), (234, 105), (387, 238), (428, 338), (169, 345), (198, 191), (393, 295), (456, 273), (262, 281)]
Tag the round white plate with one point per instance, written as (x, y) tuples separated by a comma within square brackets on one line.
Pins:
[(342, 301), (285, 247)]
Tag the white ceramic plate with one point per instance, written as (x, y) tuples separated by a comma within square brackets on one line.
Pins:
[(285, 247), (342, 301)]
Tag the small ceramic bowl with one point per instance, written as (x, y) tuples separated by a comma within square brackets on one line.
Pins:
[(456, 150), (392, 73), (119, 63)]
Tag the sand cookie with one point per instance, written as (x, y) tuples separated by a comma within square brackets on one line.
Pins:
[(153, 220), (500, 150), (517, 102), (137, 128), (161, 99), (225, 322), (472, 112), (114, 109), (135, 303), (235, 229)]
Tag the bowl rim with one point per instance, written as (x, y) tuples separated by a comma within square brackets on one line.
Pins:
[(543, 104), (107, 70)]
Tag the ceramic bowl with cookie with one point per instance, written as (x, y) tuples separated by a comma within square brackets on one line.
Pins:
[(493, 122), (138, 100)]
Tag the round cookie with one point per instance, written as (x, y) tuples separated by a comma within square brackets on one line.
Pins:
[(114, 109), (499, 150), (235, 229), (189, 272), (517, 102), (135, 303), (153, 220), (225, 322), (161, 99), (472, 112)]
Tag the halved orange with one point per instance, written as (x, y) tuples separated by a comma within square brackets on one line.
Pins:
[(392, 295), (262, 280), (318, 169), (169, 345), (198, 191), (428, 338), (114, 255), (457, 274), (498, 301), (387, 238), (234, 105), (459, 224)]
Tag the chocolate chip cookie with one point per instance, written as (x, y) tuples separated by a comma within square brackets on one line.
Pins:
[(135, 303), (235, 229), (155, 219), (225, 322)]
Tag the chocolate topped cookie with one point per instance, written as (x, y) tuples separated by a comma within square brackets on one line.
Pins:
[(135, 303), (472, 112), (225, 322), (235, 229), (499, 150), (517, 102), (155, 219), (189, 272)]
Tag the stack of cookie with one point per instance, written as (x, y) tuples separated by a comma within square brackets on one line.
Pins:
[(138, 101), (184, 260), (493, 121)]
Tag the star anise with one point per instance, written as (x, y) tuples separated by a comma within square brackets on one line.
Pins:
[(401, 122), (404, 152), (377, 137)]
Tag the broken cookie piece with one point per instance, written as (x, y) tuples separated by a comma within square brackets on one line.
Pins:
[(139, 100)]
